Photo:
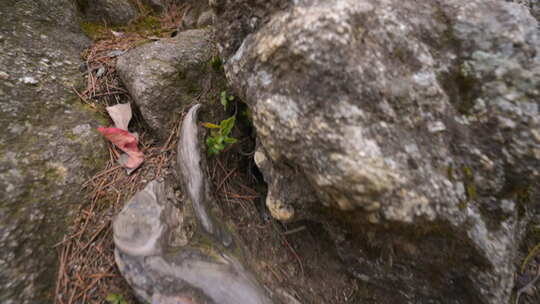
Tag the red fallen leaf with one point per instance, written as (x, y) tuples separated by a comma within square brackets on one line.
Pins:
[(126, 142)]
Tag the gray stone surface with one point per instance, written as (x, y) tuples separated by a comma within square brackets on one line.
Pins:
[(166, 75), (412, 128), (158, 5), (189, 18), (532, 5), (110, 12), (48, 145), (206, 18)]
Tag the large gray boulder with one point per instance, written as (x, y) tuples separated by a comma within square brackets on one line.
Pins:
[(110, 12), (166, 75), (410, 129), (47, 145)]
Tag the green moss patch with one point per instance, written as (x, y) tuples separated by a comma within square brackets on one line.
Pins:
[(94, 30)]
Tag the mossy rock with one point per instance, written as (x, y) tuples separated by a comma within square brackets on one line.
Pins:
[(49, 145)]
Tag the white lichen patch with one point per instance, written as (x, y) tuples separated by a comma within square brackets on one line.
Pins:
[(267, 46), (411, 205), (279, 209)]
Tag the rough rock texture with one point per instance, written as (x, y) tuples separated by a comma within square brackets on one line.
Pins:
[(47, 145), (411, 128), (110, 12), (194, 9), (532, 5), (238, 18), (158, 5), (207, 18), (166, 75), (173, 251)]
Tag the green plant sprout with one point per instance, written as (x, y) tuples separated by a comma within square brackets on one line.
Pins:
[(216, 63), (224, 98), (219, 135), (115, 298)]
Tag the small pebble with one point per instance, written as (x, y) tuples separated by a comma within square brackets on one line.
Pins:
[(115, 53), (373, 218), (506, 123), (83, 67), (4, 75), (373, 206), (29, 80), (117, 34), (100, 71), (436, 126)]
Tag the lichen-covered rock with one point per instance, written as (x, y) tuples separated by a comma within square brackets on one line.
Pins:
[(412, 129), (166, 75), (47, 145), (110, 12)]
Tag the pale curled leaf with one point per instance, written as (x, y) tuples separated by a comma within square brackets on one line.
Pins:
[(117, 34), (121, 115)]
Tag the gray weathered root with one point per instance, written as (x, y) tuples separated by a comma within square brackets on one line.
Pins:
[(177, 252)]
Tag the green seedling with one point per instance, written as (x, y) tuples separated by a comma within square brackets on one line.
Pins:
[(114, 298), (216, 63), (225, 99), (219, 135)]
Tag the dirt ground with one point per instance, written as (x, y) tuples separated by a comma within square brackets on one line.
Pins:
[(298, 258)]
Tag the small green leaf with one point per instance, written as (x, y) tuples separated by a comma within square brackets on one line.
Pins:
[(224, 100), (112, 297), (210, 125), (227, 125), (115, 298), (230, 140), (216, 63), (219, 138)]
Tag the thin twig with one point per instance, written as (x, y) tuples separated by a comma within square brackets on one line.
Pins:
[(295, 230), (529, 285)]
